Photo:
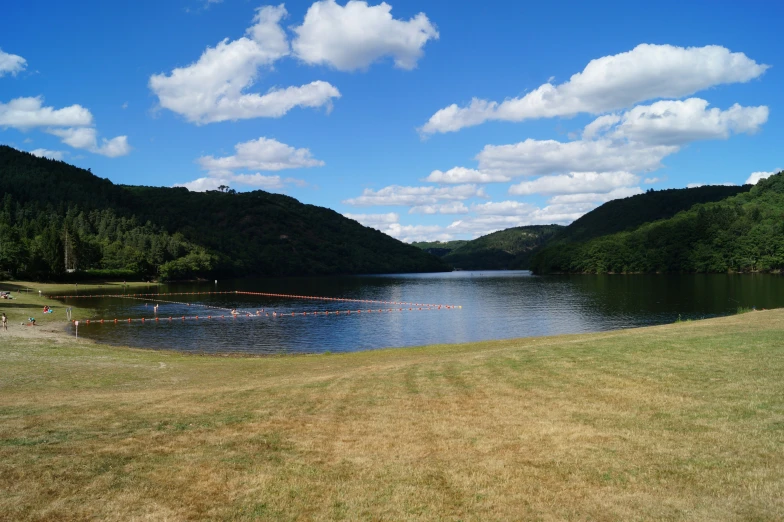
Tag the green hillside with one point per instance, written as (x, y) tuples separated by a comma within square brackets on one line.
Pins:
[(629, 213), (439, 248), (514, 248), (505, 249), (54, 216), (742, 233)]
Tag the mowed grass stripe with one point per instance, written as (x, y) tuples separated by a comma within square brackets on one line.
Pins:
[(679, 422)]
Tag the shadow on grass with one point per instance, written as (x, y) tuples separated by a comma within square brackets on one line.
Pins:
[(6, 304)]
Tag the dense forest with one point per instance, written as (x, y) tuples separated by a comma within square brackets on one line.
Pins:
[(502, 250), (439, 248), (629, 213), (741, 233), (59, 221)]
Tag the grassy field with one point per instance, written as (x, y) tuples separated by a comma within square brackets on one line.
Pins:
[(677, 422)]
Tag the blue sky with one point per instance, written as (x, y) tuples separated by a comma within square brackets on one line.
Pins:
[(367, 108)]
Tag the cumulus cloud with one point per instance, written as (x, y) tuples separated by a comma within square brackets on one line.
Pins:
[(28, 113), (595, 197), (86, 138), (213, 88), (678, 122), (46, 153), (390, 225), (492, 216), (464, 175), (354, 36), (411, 233), (377, 221), (72, 124), (203, 184), (611, 83), (395, 195), (11, 64), (755, 177), (576, 183), (635, 141), (536, 157), (257, 181), (455, 207), (261, 154)]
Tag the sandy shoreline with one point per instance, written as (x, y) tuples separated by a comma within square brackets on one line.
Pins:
[(51, 331)]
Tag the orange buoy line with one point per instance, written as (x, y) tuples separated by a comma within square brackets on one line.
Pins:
[(181, 303), (341, 299), (241, 292), (136, 295), (245, 315)]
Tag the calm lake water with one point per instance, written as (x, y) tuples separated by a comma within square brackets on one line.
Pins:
[(495, 305)]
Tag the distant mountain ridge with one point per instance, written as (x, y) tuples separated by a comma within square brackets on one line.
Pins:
[(56, 217)]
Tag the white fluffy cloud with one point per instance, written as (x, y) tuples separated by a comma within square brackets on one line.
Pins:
[(679, 122), (595, 197), (396, 195), (354, 36), (536, 157), (257, 181), (28, 113), (611, 83), (635, 141), (464, 175), (389, 224), (213, 88), (492, 216), (377, 221), (755, 177), (46, 153), (72, 124), (203, 184), (576, 183), (11, 64), (261, 154), (455, 207), (86, 138)]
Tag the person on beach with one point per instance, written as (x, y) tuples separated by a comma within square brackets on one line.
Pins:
[(5, 322)]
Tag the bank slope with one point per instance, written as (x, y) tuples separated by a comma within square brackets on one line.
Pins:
[(55, 216), (742, 233)]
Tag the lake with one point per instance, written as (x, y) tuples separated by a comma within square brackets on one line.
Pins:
[(495, 305)]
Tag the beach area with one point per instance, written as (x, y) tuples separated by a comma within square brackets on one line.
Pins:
[(676, 422)]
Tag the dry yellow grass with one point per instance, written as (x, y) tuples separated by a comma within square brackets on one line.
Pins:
[(679, 422)]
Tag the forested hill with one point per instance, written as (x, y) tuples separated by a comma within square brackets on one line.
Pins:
[(505, 249), (629, 213), (741, 233), (514, 248), (55, 216)]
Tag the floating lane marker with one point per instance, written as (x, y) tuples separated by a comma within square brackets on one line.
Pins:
[(242, 292), (340, 299), (273, 314)]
